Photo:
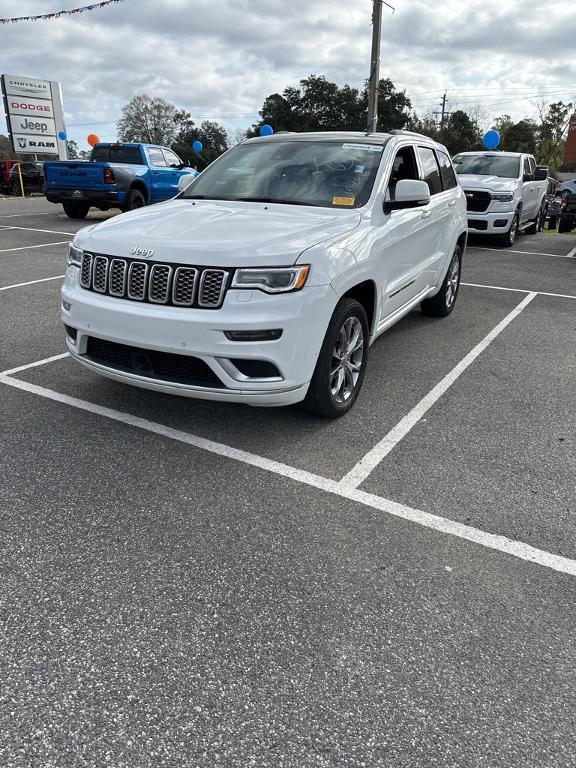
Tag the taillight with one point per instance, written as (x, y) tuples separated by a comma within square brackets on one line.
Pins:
[(109, 176)]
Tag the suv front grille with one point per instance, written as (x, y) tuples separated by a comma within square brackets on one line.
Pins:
[(154, 283), (477, 201), (161, 366)]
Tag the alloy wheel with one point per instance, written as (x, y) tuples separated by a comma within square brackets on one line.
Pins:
[(347, 358), (453, 281)]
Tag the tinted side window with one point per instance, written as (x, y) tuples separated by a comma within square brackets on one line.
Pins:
[(156, 156), (527, 168), (129, 155), (446, 171), (404, 167), (430, 170)]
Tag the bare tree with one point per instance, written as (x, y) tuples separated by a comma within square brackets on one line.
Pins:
[(151, 120)]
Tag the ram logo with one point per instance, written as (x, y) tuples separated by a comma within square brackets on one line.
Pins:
[(143, 253)]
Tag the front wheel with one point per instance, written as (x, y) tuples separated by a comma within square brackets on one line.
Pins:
[(443, 302), (76, 210), (341, 364), (509, 238), (134, 199)]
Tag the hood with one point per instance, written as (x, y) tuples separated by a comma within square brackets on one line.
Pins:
[(219, 233), (487, 183)]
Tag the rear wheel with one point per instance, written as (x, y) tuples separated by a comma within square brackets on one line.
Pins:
[(443, 302), (134, 199), (341, 365), (564, 226), (15, 188), (76, 210), (537, 224)]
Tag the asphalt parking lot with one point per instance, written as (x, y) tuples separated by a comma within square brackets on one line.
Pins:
[(201, 584)]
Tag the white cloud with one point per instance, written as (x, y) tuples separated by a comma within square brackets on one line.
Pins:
[(223, 57)]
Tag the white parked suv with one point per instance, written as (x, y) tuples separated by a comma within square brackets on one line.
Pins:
[(505, 192), (265, 281)]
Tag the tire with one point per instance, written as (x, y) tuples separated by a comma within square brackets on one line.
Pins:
[(564, 226), (442, 304), (339, 372), (15, 189), (509, 238), (134, 199), (536, 225), (76, 210)]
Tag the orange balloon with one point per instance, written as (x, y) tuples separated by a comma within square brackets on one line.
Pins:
[(92, 139)]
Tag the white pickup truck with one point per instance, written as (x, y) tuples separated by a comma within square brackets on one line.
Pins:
[(505, 193)]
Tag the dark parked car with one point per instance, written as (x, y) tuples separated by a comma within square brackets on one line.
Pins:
[(32, 178), (567, 219), (5, 168)]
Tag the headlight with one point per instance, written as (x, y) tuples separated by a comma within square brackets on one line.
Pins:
[(273, 280), (75, 255), (505, 197)]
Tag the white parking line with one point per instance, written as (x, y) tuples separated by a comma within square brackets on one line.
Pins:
[(571, 254), (509, 250), (370, 461), (31, 282), (26, 247), (36, 364), (48, 231), (520, 290), (17, 215), (492, 541)]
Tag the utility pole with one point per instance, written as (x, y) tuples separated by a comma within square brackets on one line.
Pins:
[(374, 67), (443, 114)]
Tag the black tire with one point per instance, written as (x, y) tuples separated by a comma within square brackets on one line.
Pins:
[(508, 240), (321, 401), (564, 226), (442, 304), (134, 199), (536, 225), (15, 189), (76, 210)]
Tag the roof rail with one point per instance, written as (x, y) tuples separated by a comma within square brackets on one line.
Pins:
[(399, 132)]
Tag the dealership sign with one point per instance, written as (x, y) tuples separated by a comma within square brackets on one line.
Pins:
[(34, 115)]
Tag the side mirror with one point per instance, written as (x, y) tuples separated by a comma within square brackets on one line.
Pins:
[(541, 173), (185, 181), (408, 194)]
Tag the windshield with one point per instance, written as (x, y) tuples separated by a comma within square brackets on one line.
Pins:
[(488, 165), (332, 174)]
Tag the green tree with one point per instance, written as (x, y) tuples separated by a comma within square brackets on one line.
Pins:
[(520, 137), (393, 107), (214, 139), (461, 133), (151, 120), (6, 148), (552, 132)]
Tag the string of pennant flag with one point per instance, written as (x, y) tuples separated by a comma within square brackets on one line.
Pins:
[(59, 14)]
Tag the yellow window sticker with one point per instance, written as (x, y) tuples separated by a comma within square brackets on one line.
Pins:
[(343, 200)]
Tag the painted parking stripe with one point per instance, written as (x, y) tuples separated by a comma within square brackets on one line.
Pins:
[(47, 231), (35, 364), (372, 459), (31, 282), (509, 250), (519, 290), (19, 215), (572, 254), (491, 541), (26, 247)]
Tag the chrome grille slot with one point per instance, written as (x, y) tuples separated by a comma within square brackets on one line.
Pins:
[(137, 280), (117, 278), (184, 286), (212, 287), (177, 285), (86, 271), (100, 274), (159, 284)]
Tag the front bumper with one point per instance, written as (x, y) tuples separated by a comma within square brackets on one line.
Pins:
[(496, 223), (199, 333)]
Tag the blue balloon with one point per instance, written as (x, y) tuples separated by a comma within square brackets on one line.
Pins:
[(266, 130), (62, 136), (491, 139), (197, 146)]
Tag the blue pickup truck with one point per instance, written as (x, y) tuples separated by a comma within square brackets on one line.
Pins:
[(125, 176)]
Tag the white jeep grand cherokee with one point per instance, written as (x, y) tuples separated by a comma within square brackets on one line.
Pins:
[(265, 281)]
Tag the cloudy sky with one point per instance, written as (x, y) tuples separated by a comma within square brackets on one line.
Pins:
[(219, 59)]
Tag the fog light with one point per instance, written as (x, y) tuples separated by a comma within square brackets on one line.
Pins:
[(501, 222), (270, 335), (67, 306)]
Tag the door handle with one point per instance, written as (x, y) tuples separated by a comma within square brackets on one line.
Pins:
[(452, 203), (425, 214)]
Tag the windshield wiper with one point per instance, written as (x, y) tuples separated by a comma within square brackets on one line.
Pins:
[(282, 200)]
